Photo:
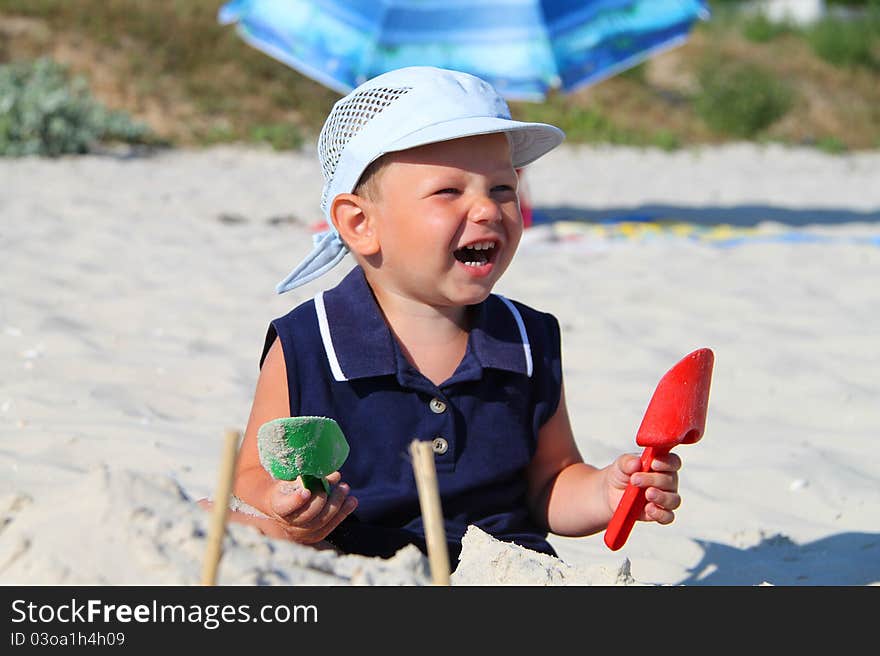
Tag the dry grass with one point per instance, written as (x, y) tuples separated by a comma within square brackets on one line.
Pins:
[(169, 64)]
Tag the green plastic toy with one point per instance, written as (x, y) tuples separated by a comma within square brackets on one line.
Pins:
[(311, 447)]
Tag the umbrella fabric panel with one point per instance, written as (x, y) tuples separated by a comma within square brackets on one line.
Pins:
[(504, 42), (342, 44), (522, 47), (326, 40), (605, 37)]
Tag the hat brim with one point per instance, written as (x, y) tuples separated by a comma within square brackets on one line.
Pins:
[(528, 141)]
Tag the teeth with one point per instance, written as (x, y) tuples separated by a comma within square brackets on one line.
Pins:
[(476, 251)]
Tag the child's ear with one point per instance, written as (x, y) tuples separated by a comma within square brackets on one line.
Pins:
[(352, 219)]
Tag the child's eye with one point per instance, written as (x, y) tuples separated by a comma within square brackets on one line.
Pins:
[(503, 189), (447, 190)]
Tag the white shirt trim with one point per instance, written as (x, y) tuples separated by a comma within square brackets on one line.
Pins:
[(324, 327), (527, 349)]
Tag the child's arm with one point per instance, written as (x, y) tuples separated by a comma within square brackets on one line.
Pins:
[(574, 498), (301, 515)]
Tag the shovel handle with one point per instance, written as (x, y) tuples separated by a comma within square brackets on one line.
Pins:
[(631, 505)]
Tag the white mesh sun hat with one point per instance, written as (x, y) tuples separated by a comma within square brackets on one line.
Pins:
[(402, 109)]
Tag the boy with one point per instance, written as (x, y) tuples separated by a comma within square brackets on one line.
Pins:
[(421, 188)]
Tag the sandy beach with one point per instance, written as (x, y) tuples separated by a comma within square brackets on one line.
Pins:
[(137, 291)]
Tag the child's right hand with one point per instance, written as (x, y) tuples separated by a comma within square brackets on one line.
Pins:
[(308, 517)]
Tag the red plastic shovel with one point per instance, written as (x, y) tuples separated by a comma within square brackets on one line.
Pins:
[(675, 415)]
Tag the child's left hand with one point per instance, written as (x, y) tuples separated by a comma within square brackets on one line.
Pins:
[(660, 484)]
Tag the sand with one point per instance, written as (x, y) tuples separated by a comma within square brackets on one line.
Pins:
[(137, 291)]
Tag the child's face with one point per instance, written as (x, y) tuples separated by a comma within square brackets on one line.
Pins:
[(448, 219)]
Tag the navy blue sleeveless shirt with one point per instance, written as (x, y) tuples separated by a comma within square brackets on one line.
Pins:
[(343, 362)]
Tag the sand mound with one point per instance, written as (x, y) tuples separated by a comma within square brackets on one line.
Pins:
[(487, 561), (150, 532)]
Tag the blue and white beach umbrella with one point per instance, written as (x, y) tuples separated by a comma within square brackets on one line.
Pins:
[(523, 48)]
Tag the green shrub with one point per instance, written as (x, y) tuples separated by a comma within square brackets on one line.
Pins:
[(635, 73), (740, 99), (590, 124), (217, 133), (45, 112), (281, 136), (760, 29), (666, 140), (831, 145), (845, 43), (851, 3)]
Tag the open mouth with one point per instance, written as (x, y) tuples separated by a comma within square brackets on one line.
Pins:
[(477, 254)]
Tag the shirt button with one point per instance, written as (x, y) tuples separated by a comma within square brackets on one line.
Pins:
[(440, 446), (437, 406)]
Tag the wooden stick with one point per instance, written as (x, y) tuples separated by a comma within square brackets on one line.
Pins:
[(221, 509), (432, 515)]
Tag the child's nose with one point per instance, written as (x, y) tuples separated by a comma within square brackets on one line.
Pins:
[(484, 210)]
